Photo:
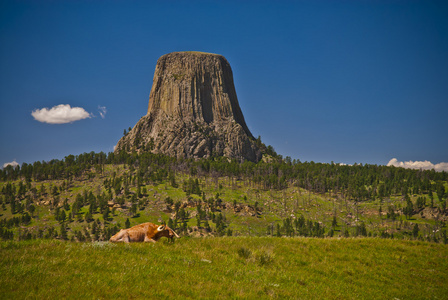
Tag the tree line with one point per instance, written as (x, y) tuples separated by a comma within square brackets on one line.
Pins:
[(360, 182)]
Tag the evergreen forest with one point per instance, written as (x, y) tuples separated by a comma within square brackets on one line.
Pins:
[(91, 196)]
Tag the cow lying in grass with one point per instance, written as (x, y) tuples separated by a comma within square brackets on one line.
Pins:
[(146, 232)]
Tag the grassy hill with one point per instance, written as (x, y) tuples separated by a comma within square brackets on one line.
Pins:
[(246, 207), (92, 201), (227, 267)]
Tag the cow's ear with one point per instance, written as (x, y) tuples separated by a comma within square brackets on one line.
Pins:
[(161, 227)]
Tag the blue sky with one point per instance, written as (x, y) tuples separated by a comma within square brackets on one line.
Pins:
[(343, 81)]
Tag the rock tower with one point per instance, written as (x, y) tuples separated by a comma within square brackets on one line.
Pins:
[(193, 111)]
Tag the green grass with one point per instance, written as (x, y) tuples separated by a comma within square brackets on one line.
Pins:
[(230, 267)]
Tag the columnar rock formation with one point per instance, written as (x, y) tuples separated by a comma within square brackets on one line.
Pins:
[(193, 111)]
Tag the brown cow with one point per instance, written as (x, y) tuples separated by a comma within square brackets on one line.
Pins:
[(146, 232)]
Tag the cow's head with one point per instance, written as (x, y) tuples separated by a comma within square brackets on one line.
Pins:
[(167, 232)]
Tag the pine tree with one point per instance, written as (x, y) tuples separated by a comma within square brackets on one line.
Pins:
[(31, 209), (346, 232), (88, 217), (170, 224), (415, 230), (229, 232), (207, 226), (62, 216), (361, 229), (106, 214), (134, 209), (279, 234), (177, 206), (63, 232), (13, 206), (440, 190), (93, 228)]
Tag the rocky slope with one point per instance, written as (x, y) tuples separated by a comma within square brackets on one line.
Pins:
[(193, 111)]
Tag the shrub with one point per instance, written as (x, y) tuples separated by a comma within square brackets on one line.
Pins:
[(244, 253), (263, 258)]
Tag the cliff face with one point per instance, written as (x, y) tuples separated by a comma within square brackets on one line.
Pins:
[(193, 111)]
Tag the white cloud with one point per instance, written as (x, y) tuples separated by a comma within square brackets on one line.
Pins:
[(424, 165), (60, 114), (102, 110), (13, 164)]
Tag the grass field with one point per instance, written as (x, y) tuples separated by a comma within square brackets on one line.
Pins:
[(228, 267)]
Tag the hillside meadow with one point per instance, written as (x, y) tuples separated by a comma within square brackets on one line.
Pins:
[(34, 208), (225, 267)]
